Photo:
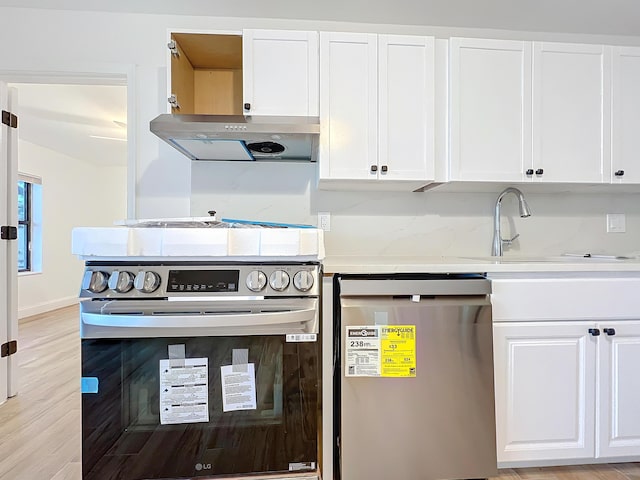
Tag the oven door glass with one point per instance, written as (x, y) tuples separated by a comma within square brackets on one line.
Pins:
[(124, 437)]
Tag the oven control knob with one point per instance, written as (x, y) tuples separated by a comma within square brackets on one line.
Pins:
[(121, 282), (256, 281), (146, 281), (303, 280), (95, 281), (279, 280)]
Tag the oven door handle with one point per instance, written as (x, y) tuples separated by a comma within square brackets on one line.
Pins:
[(290, 321)]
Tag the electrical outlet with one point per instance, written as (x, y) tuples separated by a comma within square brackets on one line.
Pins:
[(616, 223), (324, 221)]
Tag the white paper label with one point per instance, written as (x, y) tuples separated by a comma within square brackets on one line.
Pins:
[(302, 337), (238, 387), (363, 351), (184, 391)]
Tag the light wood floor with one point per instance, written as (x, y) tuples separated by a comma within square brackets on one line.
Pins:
[(40, 427)]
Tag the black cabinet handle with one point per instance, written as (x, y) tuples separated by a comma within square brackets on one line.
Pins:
[(609, 331), (594, 331), (247, 106), (374, 168), (529, 171), (539, 171), (384, 168), (619, 173)]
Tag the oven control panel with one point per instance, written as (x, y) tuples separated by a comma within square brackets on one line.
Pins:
[(145, 280)]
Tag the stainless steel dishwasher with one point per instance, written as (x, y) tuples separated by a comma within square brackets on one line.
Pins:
[(413, 377)]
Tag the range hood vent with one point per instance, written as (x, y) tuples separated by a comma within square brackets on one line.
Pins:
[(240, 138)]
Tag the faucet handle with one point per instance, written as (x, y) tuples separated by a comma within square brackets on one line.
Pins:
[(510, 241)]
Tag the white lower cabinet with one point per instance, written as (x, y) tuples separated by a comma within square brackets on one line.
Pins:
[(619, 390), (567, 388), (545, 391)]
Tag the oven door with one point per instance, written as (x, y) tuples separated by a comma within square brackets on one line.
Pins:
[(266, 422)]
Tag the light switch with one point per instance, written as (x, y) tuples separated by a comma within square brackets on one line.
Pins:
[(616, 223)]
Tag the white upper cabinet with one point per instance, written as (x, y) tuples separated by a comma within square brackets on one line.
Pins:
[(530, 111), (348, 105), (280, 72), (625, 161), (376, 111), (571, 114), (490, 82), (258, 72), (406, 108)]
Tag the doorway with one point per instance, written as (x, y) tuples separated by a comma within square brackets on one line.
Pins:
[(74, 139)]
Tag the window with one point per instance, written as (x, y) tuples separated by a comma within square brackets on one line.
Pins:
[(29, 223), (24, 225)]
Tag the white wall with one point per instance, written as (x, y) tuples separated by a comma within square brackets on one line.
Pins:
[(422, 223), (74, 192), (431, 222)]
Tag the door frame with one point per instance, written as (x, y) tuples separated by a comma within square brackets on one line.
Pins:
[(8, 248), (122, 75)]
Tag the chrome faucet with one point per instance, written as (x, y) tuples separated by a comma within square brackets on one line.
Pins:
[(498, 241)]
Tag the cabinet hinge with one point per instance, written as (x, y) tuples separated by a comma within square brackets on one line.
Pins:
[(173, 48), (9, 119), (173, 101), (8, 348), (8, 232)]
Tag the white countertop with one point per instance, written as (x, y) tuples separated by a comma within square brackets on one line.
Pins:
[(506, 264)]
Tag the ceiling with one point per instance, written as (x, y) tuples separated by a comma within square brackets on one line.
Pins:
[(76, 120), (608, 17)]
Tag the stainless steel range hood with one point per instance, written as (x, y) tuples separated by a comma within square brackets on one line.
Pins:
[(240, 138)]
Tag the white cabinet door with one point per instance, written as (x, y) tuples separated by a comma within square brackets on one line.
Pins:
[(625, 161), (571, 112), (348, 106), (406, 108), (545, 391), (619, 397), (280, 72), (490, 91)]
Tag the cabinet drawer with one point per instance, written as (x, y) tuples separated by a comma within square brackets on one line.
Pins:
[(565, 299)]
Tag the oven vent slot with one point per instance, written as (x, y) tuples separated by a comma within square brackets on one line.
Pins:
[(228, 312), (175, 312)]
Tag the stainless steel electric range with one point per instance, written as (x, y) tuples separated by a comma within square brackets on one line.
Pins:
[(200, 368)]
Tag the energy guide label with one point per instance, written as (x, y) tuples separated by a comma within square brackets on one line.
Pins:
[(380, 351)]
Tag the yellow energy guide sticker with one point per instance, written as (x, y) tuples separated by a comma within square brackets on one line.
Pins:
[(398, 351)]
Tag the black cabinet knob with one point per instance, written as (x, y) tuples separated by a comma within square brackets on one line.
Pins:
[(594, 331), (619, 173), (374, 168), (529, 171), (539, 171), (609, 331), (384, 168), (247, 106)]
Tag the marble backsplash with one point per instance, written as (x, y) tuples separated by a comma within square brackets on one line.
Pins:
[(430, 223)]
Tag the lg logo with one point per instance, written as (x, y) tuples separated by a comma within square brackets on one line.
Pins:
[(203, 466)]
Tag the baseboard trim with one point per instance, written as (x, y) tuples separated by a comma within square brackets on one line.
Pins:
[(46, 307)]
